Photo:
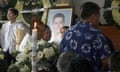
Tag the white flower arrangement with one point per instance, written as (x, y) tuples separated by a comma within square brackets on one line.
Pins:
[(45, 51)]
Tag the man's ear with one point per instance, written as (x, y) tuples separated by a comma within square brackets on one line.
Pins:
[(93, 16), (92, 19)]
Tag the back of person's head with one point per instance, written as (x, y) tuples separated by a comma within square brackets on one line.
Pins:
[(59, 15), (115, 62), (47, 33), (64, 60), (46, 27), (14, 11), (88, 9), (75, 19), (80, 64)]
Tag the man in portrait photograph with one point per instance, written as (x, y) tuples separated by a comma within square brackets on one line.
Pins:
[(57, 19)]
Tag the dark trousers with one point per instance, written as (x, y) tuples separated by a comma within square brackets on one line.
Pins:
[(6, 62)]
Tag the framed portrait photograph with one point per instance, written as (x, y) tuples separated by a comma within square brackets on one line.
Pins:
[(58, 18)]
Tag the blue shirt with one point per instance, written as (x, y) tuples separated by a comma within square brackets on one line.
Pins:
[(88, 42)]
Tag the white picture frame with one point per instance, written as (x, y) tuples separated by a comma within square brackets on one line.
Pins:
[(66, 13)]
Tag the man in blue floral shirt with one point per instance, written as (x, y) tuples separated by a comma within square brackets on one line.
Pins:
[(86, 40)]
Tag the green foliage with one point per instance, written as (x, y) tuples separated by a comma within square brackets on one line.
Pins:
[(29, 5), (13, 68), (10, 4), (14, 54), (35, 4)]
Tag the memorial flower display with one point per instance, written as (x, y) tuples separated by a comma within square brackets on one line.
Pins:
[(46, 56)]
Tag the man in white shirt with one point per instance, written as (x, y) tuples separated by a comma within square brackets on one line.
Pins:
[(9, 29)]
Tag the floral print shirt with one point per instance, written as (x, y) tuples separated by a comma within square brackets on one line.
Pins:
[(86, 41)]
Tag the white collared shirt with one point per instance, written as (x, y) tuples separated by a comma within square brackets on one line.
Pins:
[(8, 35)]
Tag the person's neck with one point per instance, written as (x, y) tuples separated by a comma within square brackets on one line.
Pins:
[(86, 20), (90, 22), (12, 21)]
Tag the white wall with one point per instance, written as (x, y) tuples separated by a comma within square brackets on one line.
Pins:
[(76, 4)]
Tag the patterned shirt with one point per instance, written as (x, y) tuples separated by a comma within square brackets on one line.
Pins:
[(87, 41)]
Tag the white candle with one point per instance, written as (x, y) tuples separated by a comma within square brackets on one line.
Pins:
[(34, 32), (34, 39)]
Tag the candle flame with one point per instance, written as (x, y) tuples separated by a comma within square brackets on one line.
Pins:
[(35, 24)]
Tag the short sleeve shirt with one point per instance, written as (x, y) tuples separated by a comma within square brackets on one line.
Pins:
[(87, 41)]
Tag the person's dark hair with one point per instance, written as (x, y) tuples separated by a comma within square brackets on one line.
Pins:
[(115, 62), (14, 11), (80, 64), (59, 15), (88, 9), (46, 33), (46, 27), (75, 19), (64, 60)]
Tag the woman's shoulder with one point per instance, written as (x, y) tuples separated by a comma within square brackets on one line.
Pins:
[(27, 36), (26, 40)]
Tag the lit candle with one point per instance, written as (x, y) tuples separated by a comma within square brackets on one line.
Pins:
[(34, 39), (34, 32)]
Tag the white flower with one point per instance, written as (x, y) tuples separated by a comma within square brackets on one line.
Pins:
[(48, 52), (25, 68), (27, 48), (30, 55), (21, 57), (40, 55), (41, 42), (44, 51), (18, 63)]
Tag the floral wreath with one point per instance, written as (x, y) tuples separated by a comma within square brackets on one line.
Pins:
[(116, 12), (41, 3)]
